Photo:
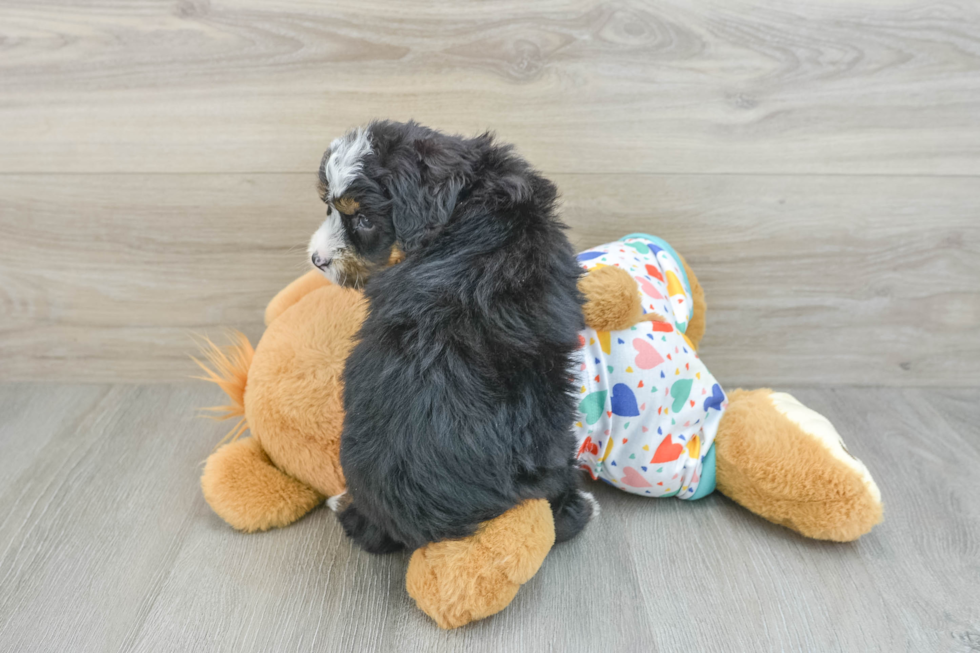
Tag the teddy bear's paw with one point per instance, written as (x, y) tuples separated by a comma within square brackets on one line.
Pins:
[(612, 300), (459, 581), (242, 485), (787, 463)]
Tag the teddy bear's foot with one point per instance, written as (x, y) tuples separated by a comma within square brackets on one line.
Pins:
[(459, 581), (242, 485), (786, 463)]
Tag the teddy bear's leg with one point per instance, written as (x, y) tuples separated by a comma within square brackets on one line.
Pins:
[(786, 463), (459, 581), (294, 292), (241, 484)]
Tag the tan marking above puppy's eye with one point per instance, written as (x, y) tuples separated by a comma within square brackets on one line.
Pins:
[(397, 255), (347, 205)]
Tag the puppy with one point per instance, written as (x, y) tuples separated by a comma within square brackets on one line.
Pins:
[(458, 394)]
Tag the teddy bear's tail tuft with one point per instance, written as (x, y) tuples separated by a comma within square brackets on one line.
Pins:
[(228, 368)]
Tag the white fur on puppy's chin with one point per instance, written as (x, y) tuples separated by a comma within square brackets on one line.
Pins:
[(328, 241)]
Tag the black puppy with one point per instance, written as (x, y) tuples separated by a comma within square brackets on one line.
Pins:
[(458, 394)]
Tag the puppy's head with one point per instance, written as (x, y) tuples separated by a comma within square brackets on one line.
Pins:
[(388, 187)]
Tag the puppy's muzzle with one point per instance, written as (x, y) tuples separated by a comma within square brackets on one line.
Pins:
[(320, 262)]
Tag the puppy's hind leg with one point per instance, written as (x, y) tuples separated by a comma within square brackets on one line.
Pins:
[(572, 511), (365, 533)]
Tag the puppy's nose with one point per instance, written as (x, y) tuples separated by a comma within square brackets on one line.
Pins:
[(320, 262)]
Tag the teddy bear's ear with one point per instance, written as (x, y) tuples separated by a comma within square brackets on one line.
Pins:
[(612, 301)]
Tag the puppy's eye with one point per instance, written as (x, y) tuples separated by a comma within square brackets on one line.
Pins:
[(362, 223)]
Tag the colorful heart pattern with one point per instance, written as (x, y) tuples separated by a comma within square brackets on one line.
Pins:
[(654, 272), (716, 399), (623, 401), (653, 444), (667, 451), (694, 448), (592, 406), (605, 341), (680, 391), (633, 478), (647, 356), (648, 288)]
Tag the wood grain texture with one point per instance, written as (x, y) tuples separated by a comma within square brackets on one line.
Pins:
[(107, 545), (819, 163), (810, 279), (866, 86)]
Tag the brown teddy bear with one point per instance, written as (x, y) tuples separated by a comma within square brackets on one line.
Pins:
[(770, 453)]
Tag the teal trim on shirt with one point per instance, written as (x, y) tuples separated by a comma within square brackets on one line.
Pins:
[(664, 245), (707, 483)]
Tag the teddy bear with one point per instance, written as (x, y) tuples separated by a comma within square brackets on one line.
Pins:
[(651, 421)]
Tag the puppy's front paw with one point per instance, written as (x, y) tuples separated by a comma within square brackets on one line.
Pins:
[(459, 581), (339, 502), (365, 533)]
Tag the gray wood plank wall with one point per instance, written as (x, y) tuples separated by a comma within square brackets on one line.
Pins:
[(819, 164)]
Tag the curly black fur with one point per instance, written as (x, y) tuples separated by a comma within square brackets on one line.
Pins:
[(458, 392)]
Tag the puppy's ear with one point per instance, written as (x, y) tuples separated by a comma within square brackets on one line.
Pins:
[(424, 186)]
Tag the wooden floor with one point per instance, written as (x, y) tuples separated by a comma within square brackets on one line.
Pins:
[(107, 545), (818, 163)]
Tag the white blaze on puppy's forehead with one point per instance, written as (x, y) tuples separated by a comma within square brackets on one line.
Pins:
[(346, 159)]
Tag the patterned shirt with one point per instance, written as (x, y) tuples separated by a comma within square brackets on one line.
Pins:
[(648, 407)]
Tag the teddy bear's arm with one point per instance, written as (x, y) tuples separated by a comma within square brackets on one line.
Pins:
[(294, 292), (612, 301), (696, 326)]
